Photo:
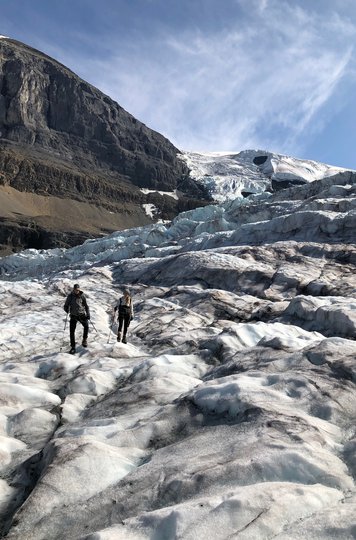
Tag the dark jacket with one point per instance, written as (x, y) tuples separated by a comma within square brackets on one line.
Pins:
[(76, 305)]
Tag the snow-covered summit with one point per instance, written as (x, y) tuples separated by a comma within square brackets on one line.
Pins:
[(229, 175)]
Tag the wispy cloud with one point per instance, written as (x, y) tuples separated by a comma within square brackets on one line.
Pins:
[(264, 81)]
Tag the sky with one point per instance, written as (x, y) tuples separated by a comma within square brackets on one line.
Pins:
[(212, 75)]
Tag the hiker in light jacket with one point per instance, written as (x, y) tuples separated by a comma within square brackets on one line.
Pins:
[(125, 314), (78, 309)]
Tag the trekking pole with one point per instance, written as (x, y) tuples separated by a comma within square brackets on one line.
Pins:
[(93, 326), (112, 324), (64, 329)]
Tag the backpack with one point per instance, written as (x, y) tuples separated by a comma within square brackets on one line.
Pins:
[(123, 309)]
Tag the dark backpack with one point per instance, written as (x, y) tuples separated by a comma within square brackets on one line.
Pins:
[(123, 309)]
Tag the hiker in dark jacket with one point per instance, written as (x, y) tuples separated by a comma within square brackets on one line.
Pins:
[(125, 315), (78, 309)]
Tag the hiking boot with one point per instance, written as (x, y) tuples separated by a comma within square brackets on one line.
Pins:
[(119, 336), (84, 343), (124, 339), (72, 350)]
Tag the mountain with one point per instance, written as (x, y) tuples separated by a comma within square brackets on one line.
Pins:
[(72, 161), (231, 411), (74, 164)]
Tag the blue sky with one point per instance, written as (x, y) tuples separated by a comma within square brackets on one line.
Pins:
[(212, 75)]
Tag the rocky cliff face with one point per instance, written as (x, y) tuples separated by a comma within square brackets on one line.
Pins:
[(60, 136)]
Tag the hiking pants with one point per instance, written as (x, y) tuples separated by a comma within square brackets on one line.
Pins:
[(124, 320), (72, 326)]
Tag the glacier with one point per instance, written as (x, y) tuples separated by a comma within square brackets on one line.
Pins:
[(231, 411), (229, 175)]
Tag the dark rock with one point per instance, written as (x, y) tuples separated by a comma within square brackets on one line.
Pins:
[(260, 160), (60, 136), (278, 185), (16, 236), (49, 108)]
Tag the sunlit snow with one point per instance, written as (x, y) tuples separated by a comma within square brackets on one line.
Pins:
[(172, 194), (150, 209), (228, 175)]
